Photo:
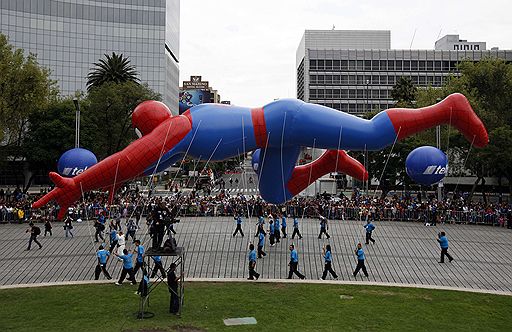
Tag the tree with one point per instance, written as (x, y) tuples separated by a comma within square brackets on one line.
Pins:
[(107, 112), (115, 68), (404, 92), (51, 132), (488, 86), (25, 88)]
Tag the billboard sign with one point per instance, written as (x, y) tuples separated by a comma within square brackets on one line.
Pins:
[(195, 83), (191, 98)]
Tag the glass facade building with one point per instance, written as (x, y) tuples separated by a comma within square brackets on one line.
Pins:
[(361, 80), (68, 36)]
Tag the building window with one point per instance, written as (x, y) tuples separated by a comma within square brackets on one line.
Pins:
[(466, 47), (383, 65), (391, 65), (367, 65), (407, 65), (456, 47), (375, 64), (476, 47), (336, 65), (398, 65), (430, 65), (344, 64), (351, 64), (312, 64)]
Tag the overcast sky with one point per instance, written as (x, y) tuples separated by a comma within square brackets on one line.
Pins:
[(246, 49)]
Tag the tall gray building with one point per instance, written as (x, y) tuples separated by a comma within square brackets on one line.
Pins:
[(68, 36), (355, 71)]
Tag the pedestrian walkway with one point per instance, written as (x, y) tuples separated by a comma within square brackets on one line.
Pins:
[(404, 253), (234, 191)]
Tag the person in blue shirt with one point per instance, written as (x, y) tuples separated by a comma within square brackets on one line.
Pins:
[(100, 227), (103, 256), (326, 253), (252, 263), (126, 258), (283, 226), (323, 227), (369, 229), (139, 262), (360, 260), (113, 240), (261, 243), (238, 219), (296, 230), (271, 231), (277, 230), (443, 243), (260, 226), (158, 267), (294, 263)]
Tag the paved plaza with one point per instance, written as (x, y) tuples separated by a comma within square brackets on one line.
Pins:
[(405, 253)]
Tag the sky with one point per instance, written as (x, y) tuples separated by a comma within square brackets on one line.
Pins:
[(246, 49)]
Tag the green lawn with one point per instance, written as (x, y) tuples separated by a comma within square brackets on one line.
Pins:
[(277, 307)]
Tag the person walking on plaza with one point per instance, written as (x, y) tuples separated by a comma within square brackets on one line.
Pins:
[(121, 242), (48, 227), (283, 226), (360, 260), (252, 263), (126, 258), (323, 227), (294, 263), (369, 229), (34, 232), (261, 243), (277, 230), (131, 228), (443, 243), (271, 232), (260, 227), (158, 267), (68, 226), (103, 256), (139, 262), (99, 224), (296, 228), (113, 240), (326, 253), (238, 219)]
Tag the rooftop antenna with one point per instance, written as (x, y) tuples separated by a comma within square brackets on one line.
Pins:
[(412, 40)]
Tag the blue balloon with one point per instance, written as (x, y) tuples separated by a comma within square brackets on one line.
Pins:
[(426, 165), (75, 161)]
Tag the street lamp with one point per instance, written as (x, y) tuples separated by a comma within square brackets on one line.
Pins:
[(438, 143), (77, 122), (366, 151)]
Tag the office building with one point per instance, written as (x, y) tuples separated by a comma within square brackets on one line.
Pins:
[(355, 71), (68, 36)]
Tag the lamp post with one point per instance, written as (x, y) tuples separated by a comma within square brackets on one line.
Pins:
[(438, 143), (77, 122), (366, 151)]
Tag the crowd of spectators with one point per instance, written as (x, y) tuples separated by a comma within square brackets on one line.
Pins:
[(16, 207)]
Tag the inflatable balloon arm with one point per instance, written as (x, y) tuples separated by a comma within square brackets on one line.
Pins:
[(119, 167)]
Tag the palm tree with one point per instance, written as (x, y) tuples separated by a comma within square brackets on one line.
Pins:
[(115, 68)]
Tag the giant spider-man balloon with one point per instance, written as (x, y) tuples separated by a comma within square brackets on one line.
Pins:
[(279, 129)]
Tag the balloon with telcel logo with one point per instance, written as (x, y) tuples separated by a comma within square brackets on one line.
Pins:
[(75, 161), (426, 165)]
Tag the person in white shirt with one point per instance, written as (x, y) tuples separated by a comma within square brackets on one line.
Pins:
[(121, 243)]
